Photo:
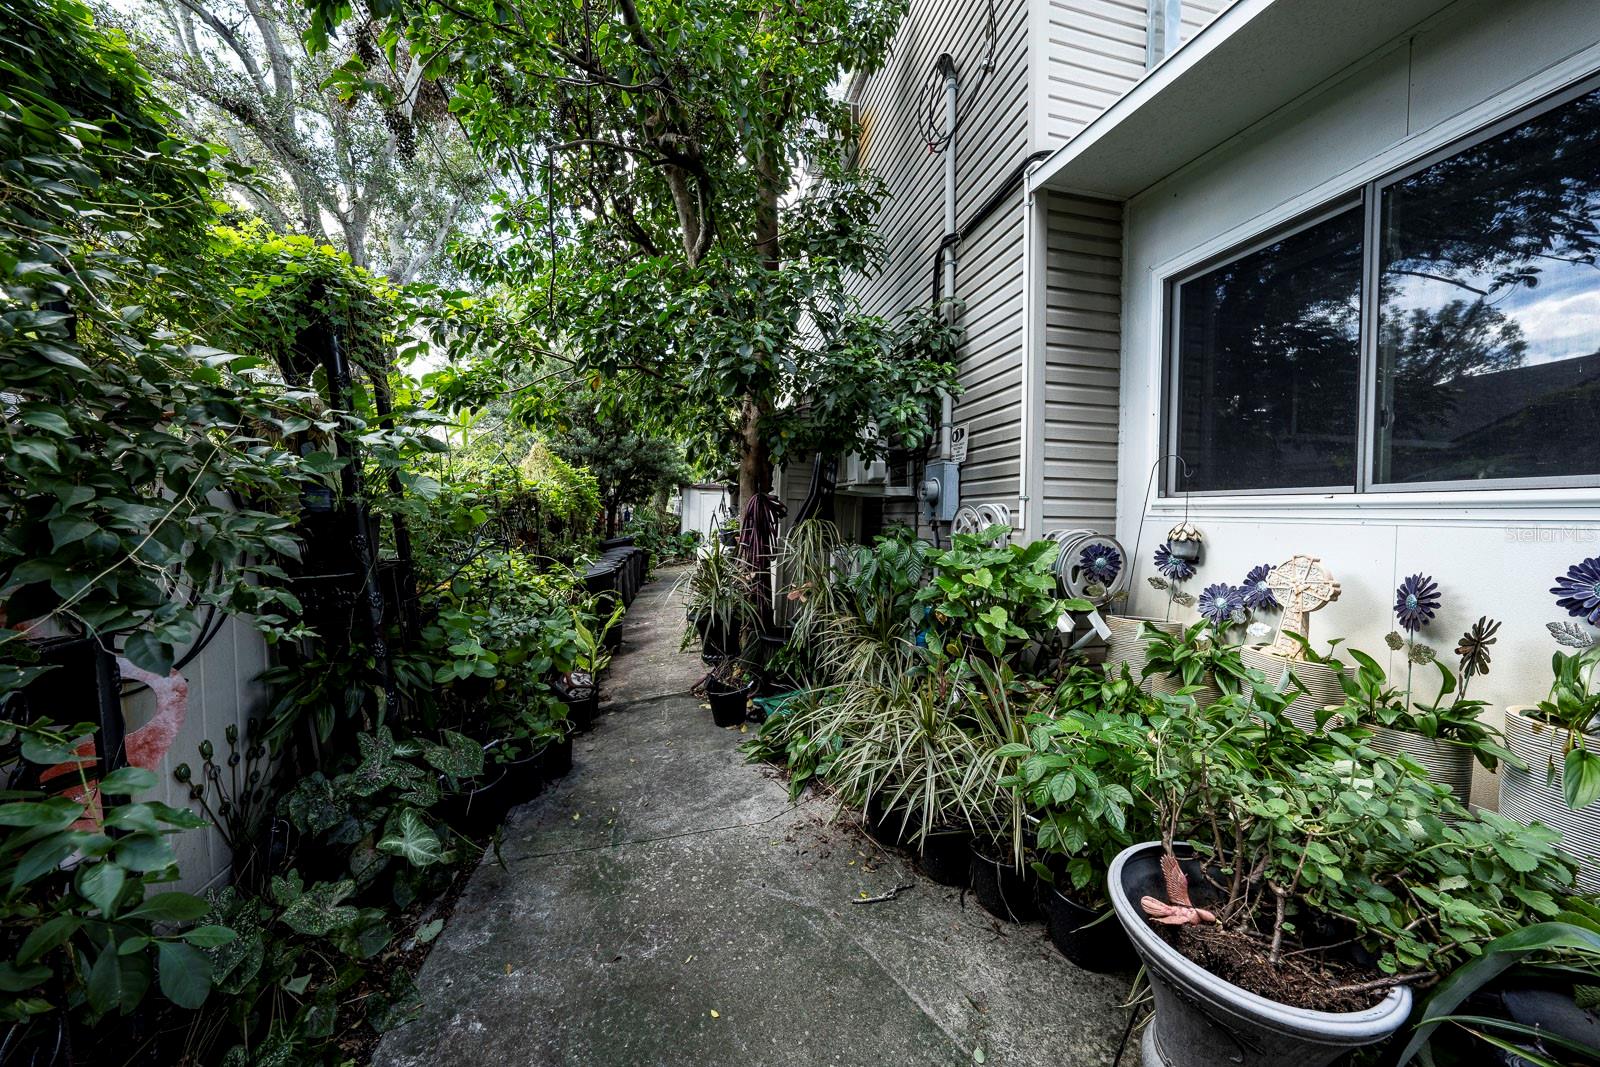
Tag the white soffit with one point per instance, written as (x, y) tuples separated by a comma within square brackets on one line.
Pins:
[(1252, 59)]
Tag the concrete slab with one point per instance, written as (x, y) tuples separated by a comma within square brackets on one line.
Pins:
[(665, 904)]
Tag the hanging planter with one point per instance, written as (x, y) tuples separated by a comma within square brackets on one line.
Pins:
[(1202, 1020), (1535, 794)]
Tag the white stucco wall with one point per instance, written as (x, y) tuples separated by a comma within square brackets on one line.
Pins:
[(1493, 553)]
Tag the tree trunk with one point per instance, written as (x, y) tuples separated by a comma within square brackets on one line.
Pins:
[(755, 464)]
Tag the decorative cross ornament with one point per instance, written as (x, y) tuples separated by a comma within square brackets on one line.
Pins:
[(1302, 585)]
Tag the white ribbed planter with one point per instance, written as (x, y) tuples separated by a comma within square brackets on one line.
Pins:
[(1165, 685), (1533, 796), (1125, 647), (1447, 765), (1321, 682)]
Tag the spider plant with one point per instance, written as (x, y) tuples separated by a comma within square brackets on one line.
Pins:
[(717, 596), (905, 742)]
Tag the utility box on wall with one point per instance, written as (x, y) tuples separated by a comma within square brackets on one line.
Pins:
[(941, 490)]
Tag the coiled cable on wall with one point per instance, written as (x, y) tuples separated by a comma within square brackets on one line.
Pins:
[(930, 110)]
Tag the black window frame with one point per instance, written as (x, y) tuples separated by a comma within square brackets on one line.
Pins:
[(1368, 196)]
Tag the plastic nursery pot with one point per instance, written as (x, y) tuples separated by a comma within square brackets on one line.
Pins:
[(728, 706), (946, 856), (1534, 795), (558, 758), (480, 809), (1093, 940), (1201, 1020), (717, 642), (887, 826), (582, 701), (1005, 891)]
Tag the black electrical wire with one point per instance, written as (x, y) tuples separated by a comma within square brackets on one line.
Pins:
[(930, 112)]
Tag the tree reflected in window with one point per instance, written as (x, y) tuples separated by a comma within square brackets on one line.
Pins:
[(1489, 316)]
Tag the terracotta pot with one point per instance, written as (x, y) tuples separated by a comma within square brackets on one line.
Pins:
[(1321, 683), (1534, 795)]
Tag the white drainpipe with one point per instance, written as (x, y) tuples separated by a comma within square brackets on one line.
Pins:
[(1030, 475)]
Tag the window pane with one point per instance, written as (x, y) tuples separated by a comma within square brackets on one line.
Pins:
[(1489, 321), (1269, 364)]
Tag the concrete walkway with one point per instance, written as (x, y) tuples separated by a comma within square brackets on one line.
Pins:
[(665, 904)]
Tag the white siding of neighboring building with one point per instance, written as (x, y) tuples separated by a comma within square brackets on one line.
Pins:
[(1493, 553)]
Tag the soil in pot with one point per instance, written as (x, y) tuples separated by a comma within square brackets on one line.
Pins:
[(1091, 939), (946, 856), (1004, 890), (728, 705)]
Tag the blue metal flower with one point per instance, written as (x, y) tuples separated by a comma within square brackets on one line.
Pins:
[(1222, 604), (1415, 602), (1101, 562), (1173, 568), (1579, 591), (1257, 593)]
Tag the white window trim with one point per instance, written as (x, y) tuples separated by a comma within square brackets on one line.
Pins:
[(1533, 505)]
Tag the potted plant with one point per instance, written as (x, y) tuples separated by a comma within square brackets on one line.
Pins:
[(1074, 768), (1301, 885), (1195, 661), (1003, 879), (1559, 738), (729, 687), (1316, 679), (1445, 736), (1126, 647), (718, 603), (990, 598)]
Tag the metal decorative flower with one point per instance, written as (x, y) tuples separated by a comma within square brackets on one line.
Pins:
[(1415, 602), (1257, 593), (1221, 604), (1101, 562), (1474, 647), (1579, 591), (1173, 568)]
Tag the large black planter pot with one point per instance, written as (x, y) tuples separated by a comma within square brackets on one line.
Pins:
[(558, 759), (582, 701), (1201, 1020), (946, 857), (1004, 891), (717, 642), (1094, 940), (885, 825), (729, 706), (479, 810)]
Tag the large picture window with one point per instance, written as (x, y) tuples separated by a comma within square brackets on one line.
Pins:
[(1476, 344)]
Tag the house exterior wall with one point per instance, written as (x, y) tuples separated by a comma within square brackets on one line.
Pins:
[(1493, 552), (1082, 325), (991, 142)]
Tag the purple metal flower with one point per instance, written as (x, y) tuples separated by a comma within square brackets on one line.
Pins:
[(1415, 602), (1173, 568), (1257, 593), (1101, 562), (1579, 591), (1222, 604)]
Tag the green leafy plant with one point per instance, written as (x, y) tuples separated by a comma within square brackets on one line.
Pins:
[(1193, 657), (986, 595), (83, 933), (1574, 706), (718, 597), (1449, 717)]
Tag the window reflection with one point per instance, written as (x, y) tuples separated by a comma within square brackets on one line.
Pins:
[(1269, 364), (1489, 317)]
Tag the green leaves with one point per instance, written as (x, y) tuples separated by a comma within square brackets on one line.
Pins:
[(185, 974), (407, 835), (1580, 778)]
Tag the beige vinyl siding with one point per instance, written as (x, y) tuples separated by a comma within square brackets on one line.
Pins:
[(1083, 338), (991, 143), (1093, 51)]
